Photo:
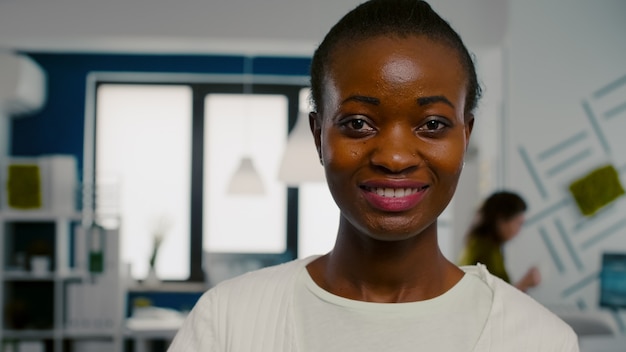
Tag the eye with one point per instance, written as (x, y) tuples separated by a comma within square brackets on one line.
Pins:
[(358, 125), (433, 125)]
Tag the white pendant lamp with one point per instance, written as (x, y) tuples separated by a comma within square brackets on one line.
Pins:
[(246, 180), (300, 163)]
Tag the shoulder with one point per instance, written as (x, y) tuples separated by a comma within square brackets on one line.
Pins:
[(509, 301), (229, 313), (270, 282), (518, 318)]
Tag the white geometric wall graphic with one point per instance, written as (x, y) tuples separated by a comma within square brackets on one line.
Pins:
[(573, 243)]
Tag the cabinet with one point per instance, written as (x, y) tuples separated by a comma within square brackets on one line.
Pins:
[(48, 294)]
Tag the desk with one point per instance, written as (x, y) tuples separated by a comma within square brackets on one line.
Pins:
[(142, 331)]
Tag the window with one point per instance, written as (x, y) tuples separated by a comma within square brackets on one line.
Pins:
[(236, 126), (164, 154), (143, 155), (318, 220)]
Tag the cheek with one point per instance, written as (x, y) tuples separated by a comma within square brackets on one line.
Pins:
[(511, 228), (448, 158), (340, 163), (446, 162), (512, 232), (337, 151)]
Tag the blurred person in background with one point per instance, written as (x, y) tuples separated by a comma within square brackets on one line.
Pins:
[(498, 220)]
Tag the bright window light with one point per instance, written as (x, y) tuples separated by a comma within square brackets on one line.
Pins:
[(319, 220), (238, 125), (143, 157)]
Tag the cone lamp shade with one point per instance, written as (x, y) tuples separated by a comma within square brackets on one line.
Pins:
[(246, 180), (300, 161)]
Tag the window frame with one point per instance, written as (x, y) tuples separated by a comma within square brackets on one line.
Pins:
[(201, 86)]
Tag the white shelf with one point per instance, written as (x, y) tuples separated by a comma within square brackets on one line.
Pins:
[(168, 287), (24, 275), (89, 333), (38, 215), (69, 241), (30, 334)]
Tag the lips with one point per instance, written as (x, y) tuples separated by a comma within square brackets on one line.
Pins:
[(394, 199)]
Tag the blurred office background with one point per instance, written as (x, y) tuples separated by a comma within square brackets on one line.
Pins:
[(148, 109)]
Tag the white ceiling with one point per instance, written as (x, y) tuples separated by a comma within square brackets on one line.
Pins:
[(204, 26)]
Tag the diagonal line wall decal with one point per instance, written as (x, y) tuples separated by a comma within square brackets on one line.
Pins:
[(575, 243)]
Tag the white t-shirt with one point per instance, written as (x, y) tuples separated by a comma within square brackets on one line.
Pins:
[(264, 311), (326, 322)]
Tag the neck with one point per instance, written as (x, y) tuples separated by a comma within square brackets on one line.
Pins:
[(367, 269)]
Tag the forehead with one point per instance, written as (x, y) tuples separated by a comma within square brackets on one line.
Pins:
[(390, 60)]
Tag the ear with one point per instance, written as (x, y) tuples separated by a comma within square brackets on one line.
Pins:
[(469, 126), (315, 124)]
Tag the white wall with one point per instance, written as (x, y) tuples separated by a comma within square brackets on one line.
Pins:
[(559, 55), (285, 26)]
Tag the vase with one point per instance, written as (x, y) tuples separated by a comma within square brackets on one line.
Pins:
[(152, 279)]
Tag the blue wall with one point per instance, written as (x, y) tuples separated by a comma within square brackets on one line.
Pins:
[(59, 127)]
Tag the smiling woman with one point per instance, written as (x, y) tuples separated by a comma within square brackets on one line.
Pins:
[(393, 91), (377, 136)]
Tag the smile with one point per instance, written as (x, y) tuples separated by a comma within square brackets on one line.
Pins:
[(394, 192), (394, 199)]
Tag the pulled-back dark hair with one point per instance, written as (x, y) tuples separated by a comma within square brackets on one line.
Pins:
[(502, 205), (391, 17)]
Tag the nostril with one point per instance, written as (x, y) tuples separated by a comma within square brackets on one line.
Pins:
[(396, 162)]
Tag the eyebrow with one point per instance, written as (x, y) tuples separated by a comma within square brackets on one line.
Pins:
[(363, 99), (422, 101), (434, 99)]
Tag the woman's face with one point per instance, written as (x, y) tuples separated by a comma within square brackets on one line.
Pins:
[(392, 133), (509, 228)]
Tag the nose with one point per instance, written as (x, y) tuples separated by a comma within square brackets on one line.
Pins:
[(396, 151)]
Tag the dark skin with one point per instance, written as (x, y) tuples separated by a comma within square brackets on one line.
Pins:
[(392, 130)]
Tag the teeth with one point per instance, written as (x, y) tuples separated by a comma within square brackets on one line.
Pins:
[(394, 192)]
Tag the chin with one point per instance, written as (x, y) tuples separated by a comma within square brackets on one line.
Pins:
[(392, 237), (391, 232)]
